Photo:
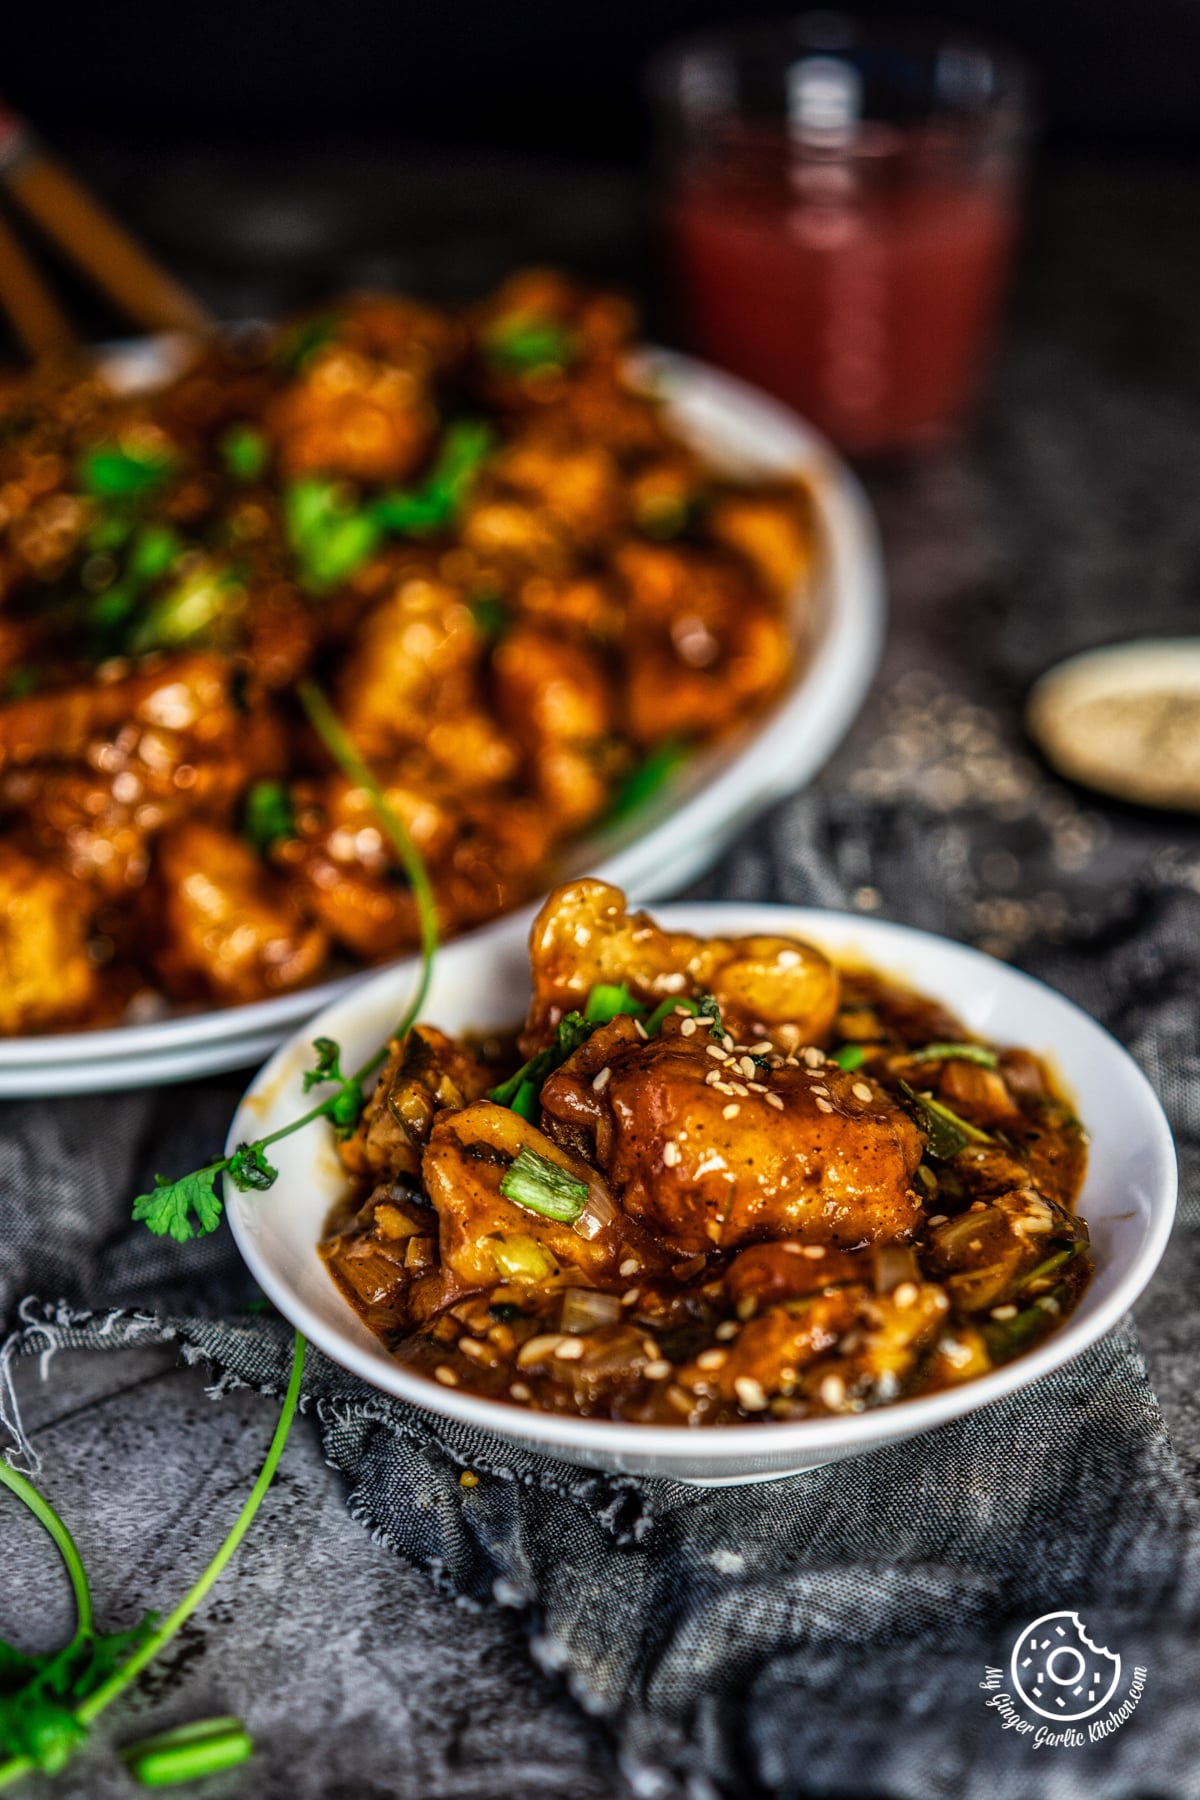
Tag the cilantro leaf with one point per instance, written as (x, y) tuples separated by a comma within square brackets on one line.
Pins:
[(328, 1066), (249, 1168), (181, 1209)]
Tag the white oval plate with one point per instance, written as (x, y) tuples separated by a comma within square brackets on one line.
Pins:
[(1128, 1199), (839, 635)]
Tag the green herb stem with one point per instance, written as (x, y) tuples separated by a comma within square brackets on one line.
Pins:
[(129, 1671), (336, 739), (46, 1516)]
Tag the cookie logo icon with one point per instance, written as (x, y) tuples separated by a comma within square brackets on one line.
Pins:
[(1059, 1672)]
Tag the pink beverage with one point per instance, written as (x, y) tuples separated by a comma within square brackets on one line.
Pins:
[(853, 265)]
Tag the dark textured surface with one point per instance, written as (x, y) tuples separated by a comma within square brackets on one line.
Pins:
[(1069, 520)]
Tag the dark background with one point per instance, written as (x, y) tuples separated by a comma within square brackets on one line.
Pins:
[(518, 74)]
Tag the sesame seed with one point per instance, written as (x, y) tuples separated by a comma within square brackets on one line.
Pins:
[(823, 1105), (763, 1047), (737, 1087), (775, 1101), (1004, 1312), (750, 1394), (601, 1081), (680, 1400), (641, 1030), (630, 1266), (657, 1370), (726, 1330), (536, 1349), (813, 1057), (747, 1308), (650, 1348), (446, 1376), (712, 1359), (688, 1028), (938, 1218), (861, 1091), (670, 1153), (468, 1479), (519, 1391), (731, 1111), (570, 1350), (716, 1051), (727, 1041), (814, 1252), (749, 1067), (713, 1078), (819, 1088), (472, 1347), (905, 1294), (832, 1391)]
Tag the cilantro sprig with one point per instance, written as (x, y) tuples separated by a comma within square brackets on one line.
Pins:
[(190, 1206), (49, 1702)]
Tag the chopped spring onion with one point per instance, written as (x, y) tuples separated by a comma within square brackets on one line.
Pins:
[(525, 1101), (1046, 1268), (849, 1057), (267, 814), (522, 343), (572, 1031), (974, 1053), (608, 1000), (245, 452), (189, 610), (947, 1133), (124, 471), (544, 1187), (188, 1752), (417, 512), (645, 782)]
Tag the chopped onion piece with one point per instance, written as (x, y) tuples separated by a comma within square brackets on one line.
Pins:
[(583, 1309), (894, 1263), (597, 1215)]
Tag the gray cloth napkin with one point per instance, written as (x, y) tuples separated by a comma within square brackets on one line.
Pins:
[(826, 1634)]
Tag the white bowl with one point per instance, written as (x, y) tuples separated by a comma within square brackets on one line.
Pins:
[(1128, 1199), (838, 633)]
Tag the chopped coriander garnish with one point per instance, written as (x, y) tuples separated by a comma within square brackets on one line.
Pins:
[(849, 1057), (544, 1187), (419, 512)]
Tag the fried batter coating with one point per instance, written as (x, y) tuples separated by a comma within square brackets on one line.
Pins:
[(584, 936), (713, 1150), (228, 930), (46, 975)]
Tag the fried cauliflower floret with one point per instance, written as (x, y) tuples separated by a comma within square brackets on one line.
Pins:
[(584, 936), (556, 700), (578, 486), (486, 1238), (348, 414), (229, 928), (704, 646), (411, 677), (714, 1150), (46, 975), (772, 531)]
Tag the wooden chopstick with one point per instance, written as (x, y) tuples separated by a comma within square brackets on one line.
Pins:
[(39, 321), (115, 261)]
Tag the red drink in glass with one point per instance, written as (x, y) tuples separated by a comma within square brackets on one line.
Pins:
[(854, 265)]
